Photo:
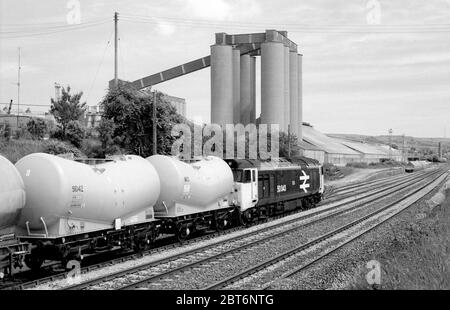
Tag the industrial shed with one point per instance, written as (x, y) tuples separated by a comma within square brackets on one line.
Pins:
[(312, 151), (371, 153), (340, 152), (334, 151)]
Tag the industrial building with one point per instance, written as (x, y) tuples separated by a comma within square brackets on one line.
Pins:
[(92, 116), (340, 152), (178, 103), (233, 80)]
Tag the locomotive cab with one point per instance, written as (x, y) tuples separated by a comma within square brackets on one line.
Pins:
[(245, 188)]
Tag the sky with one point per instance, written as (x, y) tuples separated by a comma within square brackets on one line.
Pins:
[(368, 65)]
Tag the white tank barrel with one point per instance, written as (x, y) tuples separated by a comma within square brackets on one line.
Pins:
[(12, 195), (197, 186), (59, 189)]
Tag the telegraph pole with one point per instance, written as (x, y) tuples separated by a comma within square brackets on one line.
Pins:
[(404, 157), (18, 91), (154, 123), (390, 142), (116, 18)]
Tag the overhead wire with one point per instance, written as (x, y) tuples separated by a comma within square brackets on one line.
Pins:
[(342, 28), (39, 32), (100, 65)]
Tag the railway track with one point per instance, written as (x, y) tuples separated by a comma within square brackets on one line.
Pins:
[(371, 220), (373, 182), (370, 184), (171, 266), (55, 276), (335, 196)]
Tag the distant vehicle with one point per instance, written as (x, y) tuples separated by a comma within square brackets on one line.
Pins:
[(409, 167)]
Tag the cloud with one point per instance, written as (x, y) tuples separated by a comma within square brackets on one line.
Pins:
[(166, 28), (222, 10), (210, 9)]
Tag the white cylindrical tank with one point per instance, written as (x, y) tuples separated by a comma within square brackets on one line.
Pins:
[(12, 194), (60, 188), (199, 184)]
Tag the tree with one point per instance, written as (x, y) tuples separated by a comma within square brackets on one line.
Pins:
[(37, 128), (74, 133), (131, 113), (284, 145), (67, 108), (106, 132)]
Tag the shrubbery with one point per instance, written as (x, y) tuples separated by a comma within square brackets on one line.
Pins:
[(56, 147), (37, 128), (74, 133)]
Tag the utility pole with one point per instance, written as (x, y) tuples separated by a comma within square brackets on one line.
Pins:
[(18, 91), (403, 148), (154, 123), (390, 142), (116, 18)]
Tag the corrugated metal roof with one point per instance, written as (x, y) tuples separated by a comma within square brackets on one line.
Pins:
[(325, 143)]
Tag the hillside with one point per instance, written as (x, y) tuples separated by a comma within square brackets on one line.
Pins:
[(422, 145)]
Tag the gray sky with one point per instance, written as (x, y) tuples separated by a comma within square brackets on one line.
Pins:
[(369, 65)]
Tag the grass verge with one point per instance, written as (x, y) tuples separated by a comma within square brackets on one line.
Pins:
[(418, 256)]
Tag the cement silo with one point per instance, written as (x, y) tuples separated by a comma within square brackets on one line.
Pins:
[(222, 98), (272, 83)]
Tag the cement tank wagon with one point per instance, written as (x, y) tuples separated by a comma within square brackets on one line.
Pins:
[(65, 197), (190, 188), (12, 195)]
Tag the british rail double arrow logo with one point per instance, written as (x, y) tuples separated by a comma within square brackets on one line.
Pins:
[(305, 179)]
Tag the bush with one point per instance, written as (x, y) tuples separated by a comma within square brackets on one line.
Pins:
[(93, 148), (16, 149), (22, 133), (37, 128), (58, 147), (74, 133), (6, 131), (357, 165)]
